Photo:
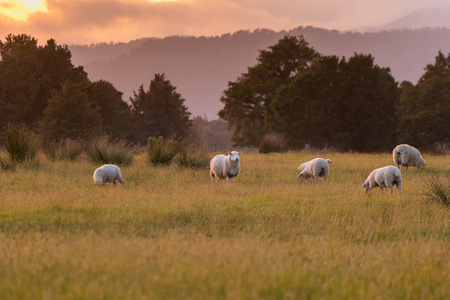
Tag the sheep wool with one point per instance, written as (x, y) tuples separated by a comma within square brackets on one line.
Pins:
[(405, 155), (318, 167), (225, 166), (385, 177), (107, 173)]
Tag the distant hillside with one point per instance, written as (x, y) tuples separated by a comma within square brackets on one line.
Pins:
[(201, 67), (432, 17)]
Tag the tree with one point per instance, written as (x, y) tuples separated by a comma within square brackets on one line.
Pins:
[(425, 108), (70, 114), (348, 104), (247, 101), (307, 109), (160, 111), (369, 96), (115, 113), (28, 75)]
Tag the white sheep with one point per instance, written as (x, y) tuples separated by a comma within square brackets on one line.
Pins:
[(316, 168), (225, 166), (405, 155), (107, 173), (303, 165), (385, 177)]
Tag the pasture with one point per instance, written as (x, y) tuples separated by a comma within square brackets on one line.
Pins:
[(171, 234)]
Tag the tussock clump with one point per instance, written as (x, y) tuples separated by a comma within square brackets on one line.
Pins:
[(6, 163), (441, 148), (162, 151), (438, 192), (272, 142), (64, 150), (21, 143), (193, 157), (103, 150)]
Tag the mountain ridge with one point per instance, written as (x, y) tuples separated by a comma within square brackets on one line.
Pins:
[(201, 67)]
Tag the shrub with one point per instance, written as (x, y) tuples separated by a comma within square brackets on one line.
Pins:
[(162, 152), (68, 150), (438, 192), (21, 143), (272, 142), (193, 157), (103, 150)]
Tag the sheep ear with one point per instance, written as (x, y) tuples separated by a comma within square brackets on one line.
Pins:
[(240, 153), (229, 152)]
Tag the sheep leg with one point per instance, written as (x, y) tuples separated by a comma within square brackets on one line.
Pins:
[(399, 190)]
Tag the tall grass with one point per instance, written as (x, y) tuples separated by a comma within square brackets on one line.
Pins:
[(162, 151), (104, 150), (21, 143), (6, 163), (194, 157), (272, 142), (438, 192), (171, 234), (65, 150)]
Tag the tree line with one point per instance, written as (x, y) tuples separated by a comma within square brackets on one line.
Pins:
[(293, 90), (331, 101), (40, 87)]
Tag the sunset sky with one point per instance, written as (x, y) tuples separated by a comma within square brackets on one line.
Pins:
[(93, 21)]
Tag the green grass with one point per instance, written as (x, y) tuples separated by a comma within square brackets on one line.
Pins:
[(171, 234)]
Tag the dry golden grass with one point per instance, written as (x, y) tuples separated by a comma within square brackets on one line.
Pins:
[(171, 234)]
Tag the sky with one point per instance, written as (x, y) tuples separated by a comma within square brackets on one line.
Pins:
[(95, 21)]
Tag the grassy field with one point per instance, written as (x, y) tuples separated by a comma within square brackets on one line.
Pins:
[(171, 234)]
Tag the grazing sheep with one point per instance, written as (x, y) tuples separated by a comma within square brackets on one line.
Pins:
[(107, 173), (303, 165), (405, 155), (223, 166), (385, 177), (316, 168)]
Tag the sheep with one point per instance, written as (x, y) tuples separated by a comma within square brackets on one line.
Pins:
[(303, 165), (385, 177), (223, 166), (107, 173), (405, 155), (316, 168)]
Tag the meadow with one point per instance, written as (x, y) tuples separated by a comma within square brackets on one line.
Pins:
[(169, 233)]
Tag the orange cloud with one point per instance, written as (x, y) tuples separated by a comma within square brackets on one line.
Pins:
[(92, 21)]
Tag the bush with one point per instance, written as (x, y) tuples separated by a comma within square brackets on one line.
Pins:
[(103, 150), (67, 150), (193, 157), (272, 142), (162, 152), (438, 192), (21, 143)]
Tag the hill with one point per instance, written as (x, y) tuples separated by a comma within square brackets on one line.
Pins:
[(201, 67)]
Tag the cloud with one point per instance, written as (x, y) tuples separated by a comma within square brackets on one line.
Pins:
[(92, 21)]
